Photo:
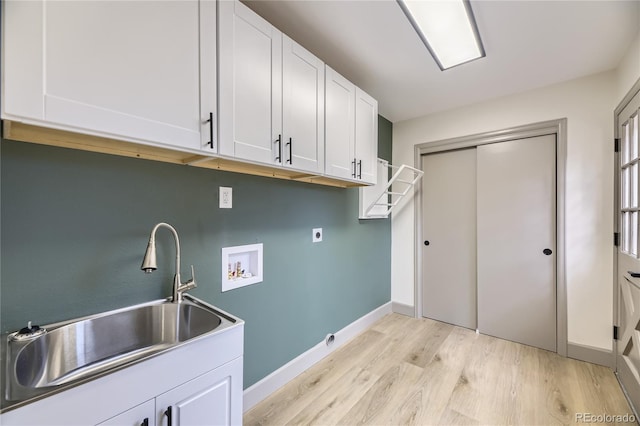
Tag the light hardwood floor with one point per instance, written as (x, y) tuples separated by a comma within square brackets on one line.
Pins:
[(418, 371)]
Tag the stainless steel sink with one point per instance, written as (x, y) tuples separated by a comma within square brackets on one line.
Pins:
[(76, 351)]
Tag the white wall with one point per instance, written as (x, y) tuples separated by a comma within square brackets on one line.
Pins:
[(588, 105), (628, 71)]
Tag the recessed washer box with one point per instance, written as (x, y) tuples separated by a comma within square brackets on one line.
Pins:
[(241, 266)]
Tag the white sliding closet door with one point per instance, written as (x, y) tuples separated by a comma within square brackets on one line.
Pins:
[(516, 229), (449, 230)]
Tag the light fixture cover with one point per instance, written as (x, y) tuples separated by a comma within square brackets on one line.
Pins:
[(447, 28)]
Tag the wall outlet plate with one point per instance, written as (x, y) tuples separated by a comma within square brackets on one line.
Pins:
[(226, 197), (317, 235)]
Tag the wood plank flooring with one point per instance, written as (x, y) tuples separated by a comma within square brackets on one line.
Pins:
[(407, 371)]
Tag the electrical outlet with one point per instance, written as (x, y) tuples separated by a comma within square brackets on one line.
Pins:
[(317, 235), (226, 197)]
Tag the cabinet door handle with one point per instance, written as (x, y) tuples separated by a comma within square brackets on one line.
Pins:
[(145, 422), (353, 165), (360, 169), (168, 414), (279, 142), (210, 121), (290, 160)]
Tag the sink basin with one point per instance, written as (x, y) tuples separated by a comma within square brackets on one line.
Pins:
[(89, 347), (77, 349)]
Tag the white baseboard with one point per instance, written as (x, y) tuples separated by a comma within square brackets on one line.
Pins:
[(402, 309), (265, 387), (590, 354)]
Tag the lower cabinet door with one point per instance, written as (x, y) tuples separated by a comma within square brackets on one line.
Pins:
[(140, 415), (215, 398)]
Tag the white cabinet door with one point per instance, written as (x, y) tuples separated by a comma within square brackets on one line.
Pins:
[(215, 398), (128, 70), (141, 415), (208, 76), (250, 85), (303, 108), (339, 125), (22, 60), (351, 130), (271, 94), (366, 151)]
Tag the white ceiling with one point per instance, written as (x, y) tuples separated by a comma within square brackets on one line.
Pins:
[(529, 44)]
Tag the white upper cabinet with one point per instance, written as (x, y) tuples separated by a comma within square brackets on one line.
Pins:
[(303, 108), (271, 94), (208, 76), (340, 126), (128, 70), (366, 146), (250, 66), (351, 130), (198, 76)]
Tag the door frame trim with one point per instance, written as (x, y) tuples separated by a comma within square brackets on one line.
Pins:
[(616, 208), (557, 127)]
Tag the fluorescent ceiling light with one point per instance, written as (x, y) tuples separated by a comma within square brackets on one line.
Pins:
[(447, 28)]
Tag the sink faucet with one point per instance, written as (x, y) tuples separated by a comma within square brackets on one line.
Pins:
[(149, 263)]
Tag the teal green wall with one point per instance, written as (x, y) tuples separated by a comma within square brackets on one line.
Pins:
[(74, 227), (385, 131)]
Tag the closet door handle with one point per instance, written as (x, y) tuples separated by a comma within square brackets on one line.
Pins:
[(547, 252), (279, 142), (426, 242), (210, 121), (634, 274), (290, 160), (168, 414), (353, 165), (145, 422), (360, 169)]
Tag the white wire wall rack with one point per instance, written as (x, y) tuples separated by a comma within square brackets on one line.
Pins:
[(378, 201)]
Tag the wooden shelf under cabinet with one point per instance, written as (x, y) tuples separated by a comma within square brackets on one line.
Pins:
[(22, 132)]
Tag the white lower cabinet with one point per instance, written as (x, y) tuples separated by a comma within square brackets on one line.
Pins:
[(208, 399), (140, 415)]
